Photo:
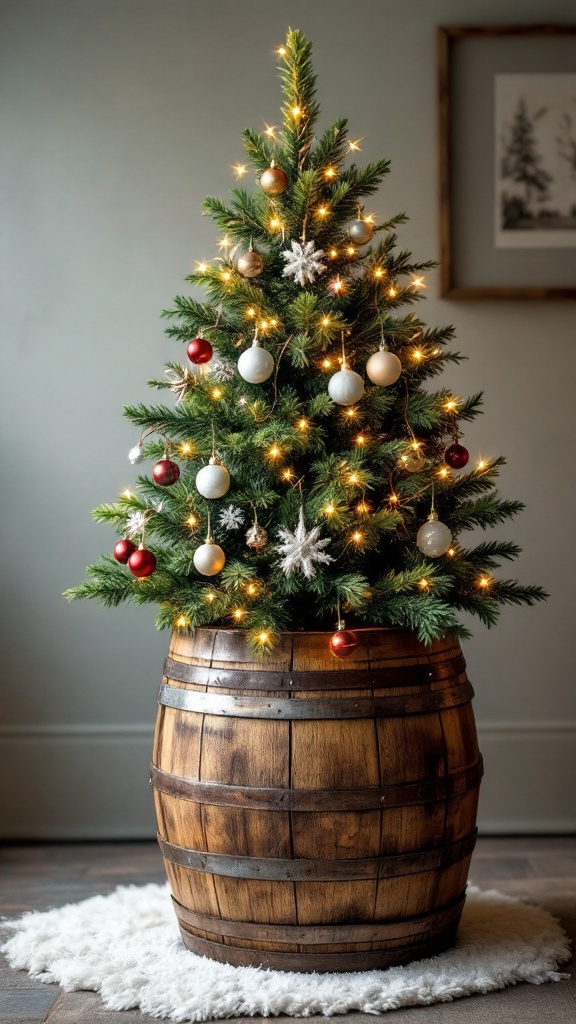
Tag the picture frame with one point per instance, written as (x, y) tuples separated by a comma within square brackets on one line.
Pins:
[(507, 161)]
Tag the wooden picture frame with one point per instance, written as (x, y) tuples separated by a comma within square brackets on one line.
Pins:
[(479, 260)]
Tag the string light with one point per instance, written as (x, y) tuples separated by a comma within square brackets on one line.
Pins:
[(326, 364), (363, 508), (251, 312), (393, 498), (263, 325), (182, 622), (354, 146), (443, 472), (417, 354), (251, 589), (274, 452), (210, 597), (216, 393), (369, 219), (224, 243), (481, 464), (360, 439), (192, 521), (333, 254), (330, 172), (296, 111), (273, 322), (353, 478), (418, 282), (226, 275), (379, 272), (424, 584), (451, 405), (127, 493), (241, 170), (392, 293), (263, 637), (357, 536), (275, 223), (451, 552), (239, 613), (337, 286), (351, 250), (287, 474), (325, 323), (483, 582), (201, 267), (323, 211), (270, 130), (350, 412), (303, 424), (329, 510), (186, 448)]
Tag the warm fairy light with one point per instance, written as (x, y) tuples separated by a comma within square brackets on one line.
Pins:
[(351, 250), (368, 219), (329, 510), (251, 312), (363, 508), (357, 536), (392, 293), (287, 474), (418, 282), (481, 464), (443, 472), (182, 622), (326, 364), (273, 322), (325, 323), (353, 478), (263, 637), (126, 493), (360, 439), (379, 272), (270, 130), (186, 448), (239, 613), (350, 412), (451, 552), (483, 581), (436, 352), (263, 325), (303, 424), (330, 172), (296, 111), (281, 51), (192, 521), (210, 597), (226, 275), (216, 393), (251, 589), (275, 223), (240, 170), (424, 584), (416, 445), (323, 211), (333, 254), (354, 146), (451, 405), (393, 498), (417, 354), (224, 243), (201, 267), (337, 286), (274, 452)]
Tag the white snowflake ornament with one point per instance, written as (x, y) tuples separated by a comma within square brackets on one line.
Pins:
[(136, 523), (301, 549), (304, 262), (231, 517)]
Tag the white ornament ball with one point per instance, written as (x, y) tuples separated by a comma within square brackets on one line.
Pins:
[(433, 538), (255, 365), (213, 481), (135, 454), (209, 559), (346, 387), (383, 368)]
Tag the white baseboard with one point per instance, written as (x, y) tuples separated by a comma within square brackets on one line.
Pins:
[(90, 780)]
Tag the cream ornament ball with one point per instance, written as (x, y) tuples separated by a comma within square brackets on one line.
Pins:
[(209, 558), (256, 364), (213, 480), (433, 537), (383, 368), (346, 387)]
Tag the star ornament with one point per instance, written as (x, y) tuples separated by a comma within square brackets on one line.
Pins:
[(304, 262), (301, 549)]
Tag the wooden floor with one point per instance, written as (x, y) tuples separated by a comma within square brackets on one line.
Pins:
[(42, 876)]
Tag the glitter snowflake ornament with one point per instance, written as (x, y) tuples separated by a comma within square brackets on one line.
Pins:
[(304, 262), (136, 523), (301, 549), (231, 517)]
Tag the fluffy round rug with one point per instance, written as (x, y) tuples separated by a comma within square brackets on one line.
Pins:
[(127, 947)]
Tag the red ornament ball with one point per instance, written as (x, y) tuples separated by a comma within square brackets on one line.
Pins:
[(123, 550), (199, 350), (141, 563), (456, 456), (166, 472), (343, 643)]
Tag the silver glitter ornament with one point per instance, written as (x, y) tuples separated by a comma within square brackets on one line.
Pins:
[(433, 537), (256, 537), (135, 454)]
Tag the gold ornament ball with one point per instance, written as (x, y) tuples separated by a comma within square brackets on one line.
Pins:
[(256, 537), (250, 264), (413, 461), (274, 181)]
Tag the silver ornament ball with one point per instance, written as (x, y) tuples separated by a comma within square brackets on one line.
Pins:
[(213, 481), (383, 368), (346, 387), (250, 264), (256, 364), (209, 558), (135, 454), (433, 538), (361, 231)]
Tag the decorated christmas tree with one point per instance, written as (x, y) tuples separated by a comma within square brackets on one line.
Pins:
[(305, 472)]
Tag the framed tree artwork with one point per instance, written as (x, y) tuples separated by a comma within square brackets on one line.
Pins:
[(507, 105)]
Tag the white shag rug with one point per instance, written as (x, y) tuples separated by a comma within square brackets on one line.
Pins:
[(127, 947)]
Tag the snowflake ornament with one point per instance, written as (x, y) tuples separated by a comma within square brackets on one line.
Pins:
[(231, 517), (137, 522), (220, 369), (301, 549), (304, 262)]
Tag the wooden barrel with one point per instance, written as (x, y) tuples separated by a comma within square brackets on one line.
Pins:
[(316, 814)]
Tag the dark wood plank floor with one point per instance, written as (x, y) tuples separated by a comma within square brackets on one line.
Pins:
[(37, 877)]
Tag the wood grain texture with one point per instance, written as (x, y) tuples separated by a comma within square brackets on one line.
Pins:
[(319, 808)]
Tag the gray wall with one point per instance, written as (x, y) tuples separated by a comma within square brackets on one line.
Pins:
[(121, 115)]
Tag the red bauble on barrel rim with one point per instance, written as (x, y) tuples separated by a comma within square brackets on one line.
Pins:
[(343, 643), (456, 456), (141, 563), (199, 350), (123, 549), (166, 472)]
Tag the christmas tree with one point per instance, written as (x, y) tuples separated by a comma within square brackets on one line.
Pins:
[(305, 470)]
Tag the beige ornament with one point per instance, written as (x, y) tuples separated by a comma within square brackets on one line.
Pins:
[(274, 181), (256, 537)]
